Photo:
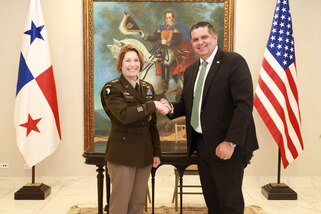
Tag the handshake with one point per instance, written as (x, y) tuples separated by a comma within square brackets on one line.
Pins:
[(163, 106)]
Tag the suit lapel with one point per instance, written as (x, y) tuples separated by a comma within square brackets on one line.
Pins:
[(194, 75), (217, 61), (190, 83)]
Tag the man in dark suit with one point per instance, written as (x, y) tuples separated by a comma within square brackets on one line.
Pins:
[(220, 125)]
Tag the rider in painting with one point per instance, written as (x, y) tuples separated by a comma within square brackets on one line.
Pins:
[(171, 45)]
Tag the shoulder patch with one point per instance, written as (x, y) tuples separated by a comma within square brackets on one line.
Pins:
[(149, 92), (108, 89)]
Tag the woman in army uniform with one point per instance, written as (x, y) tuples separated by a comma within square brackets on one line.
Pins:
[(133, 146)]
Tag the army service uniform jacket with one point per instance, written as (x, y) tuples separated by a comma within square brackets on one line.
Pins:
[(134, 138)]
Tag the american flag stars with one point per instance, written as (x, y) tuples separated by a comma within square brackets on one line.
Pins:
[(281, 42)]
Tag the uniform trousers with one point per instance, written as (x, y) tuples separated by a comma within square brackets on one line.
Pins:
[(129, 187), (221, 181)]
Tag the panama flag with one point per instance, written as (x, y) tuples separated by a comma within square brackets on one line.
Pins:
[(36, 115)]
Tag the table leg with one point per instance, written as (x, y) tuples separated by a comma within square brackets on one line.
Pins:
[(181, 190), (181, 170), (107, 190), (153, 172), (100, 186), (175, 194)]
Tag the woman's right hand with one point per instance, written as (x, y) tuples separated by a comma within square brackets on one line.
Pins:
[(163, 108)]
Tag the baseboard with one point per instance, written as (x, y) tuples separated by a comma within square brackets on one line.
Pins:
[(169, 179)]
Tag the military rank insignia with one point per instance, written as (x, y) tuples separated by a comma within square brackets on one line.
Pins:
[(115, 80)]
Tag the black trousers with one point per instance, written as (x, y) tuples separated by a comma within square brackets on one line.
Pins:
[(221, 181)]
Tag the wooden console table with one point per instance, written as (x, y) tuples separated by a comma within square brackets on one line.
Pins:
[(173, 153)]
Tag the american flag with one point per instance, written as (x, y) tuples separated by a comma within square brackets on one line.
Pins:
[(276, 96)]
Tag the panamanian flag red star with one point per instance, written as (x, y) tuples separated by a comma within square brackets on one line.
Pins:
[(36, 115)]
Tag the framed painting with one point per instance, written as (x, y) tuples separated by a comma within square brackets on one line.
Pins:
[(149, 25)]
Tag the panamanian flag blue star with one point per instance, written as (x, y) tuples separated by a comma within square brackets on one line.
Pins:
[(34, 32), (36, 116)]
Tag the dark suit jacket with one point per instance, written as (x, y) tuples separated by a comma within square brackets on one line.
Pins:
[(227, 104), (134, 138)]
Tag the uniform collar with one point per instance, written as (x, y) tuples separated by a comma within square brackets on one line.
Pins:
[(132, 82)]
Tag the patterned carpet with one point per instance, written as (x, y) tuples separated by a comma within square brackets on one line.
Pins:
[(252, 209)]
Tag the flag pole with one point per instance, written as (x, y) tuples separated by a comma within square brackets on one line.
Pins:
[(279, 168), (278, 191), (33, 175)]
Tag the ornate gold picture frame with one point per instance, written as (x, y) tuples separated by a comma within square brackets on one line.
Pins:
[(103, 21)]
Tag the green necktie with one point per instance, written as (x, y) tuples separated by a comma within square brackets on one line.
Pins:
[(195, 120)]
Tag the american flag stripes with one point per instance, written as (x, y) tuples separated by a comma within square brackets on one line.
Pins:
[(276, 96)]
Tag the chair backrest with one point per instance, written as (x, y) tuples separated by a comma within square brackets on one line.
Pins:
[(180, 132)]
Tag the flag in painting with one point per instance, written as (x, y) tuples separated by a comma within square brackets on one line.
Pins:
[(36, 115), (276, 96)]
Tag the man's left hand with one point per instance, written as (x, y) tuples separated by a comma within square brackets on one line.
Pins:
[(224, 150)]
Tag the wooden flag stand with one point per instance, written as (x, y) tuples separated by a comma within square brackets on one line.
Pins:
[(278, 191), (33, 191)]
